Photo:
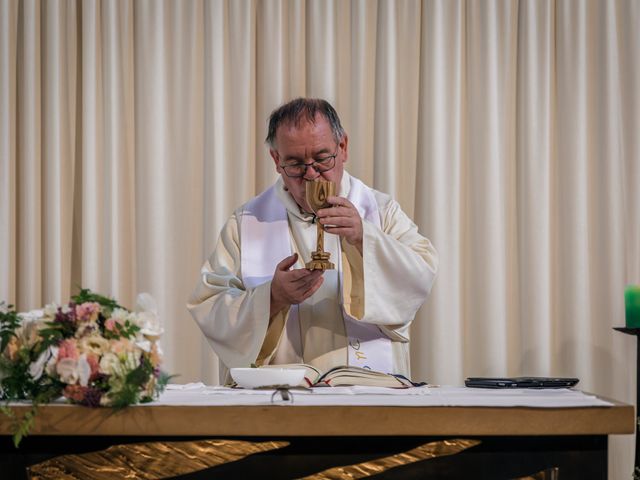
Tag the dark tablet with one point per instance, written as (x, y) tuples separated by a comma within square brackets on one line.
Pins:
[(520, 382)]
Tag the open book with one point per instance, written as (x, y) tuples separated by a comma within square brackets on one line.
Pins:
[(348, 376)]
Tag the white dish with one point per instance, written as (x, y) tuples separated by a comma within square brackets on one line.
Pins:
[(267, 377)]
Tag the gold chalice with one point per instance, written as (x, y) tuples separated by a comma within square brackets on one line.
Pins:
[(316, 195)]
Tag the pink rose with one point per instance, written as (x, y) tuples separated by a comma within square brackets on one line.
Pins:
[(87, 312), (68, 349), (94, 364), (110, 324)]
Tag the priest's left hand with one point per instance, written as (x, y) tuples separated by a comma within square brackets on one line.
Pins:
[(343, 219)]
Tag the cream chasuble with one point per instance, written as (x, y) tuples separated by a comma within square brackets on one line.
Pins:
[(383, 288)]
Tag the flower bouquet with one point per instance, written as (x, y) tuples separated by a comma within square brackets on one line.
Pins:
[(91, 351)]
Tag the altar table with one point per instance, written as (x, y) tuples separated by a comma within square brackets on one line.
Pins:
[(515, 437)]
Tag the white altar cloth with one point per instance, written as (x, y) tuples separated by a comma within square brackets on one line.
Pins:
[(429, 396)]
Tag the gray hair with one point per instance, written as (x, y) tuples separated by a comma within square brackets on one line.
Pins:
[(301, 109)]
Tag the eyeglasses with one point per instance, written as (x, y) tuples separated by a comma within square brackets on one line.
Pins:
[(297, 170)]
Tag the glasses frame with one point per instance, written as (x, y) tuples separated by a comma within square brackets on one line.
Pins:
[(315, 165)]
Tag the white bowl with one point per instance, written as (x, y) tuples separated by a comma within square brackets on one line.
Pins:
[(267, 377)]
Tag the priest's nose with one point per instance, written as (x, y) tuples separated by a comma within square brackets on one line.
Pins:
[(314, 173)]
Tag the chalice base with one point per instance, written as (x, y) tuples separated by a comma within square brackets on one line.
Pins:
[(320, 261)]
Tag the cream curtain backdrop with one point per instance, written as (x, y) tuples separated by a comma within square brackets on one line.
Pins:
[(129, 131)]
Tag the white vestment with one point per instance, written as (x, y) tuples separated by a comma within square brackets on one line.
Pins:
[(384, 287)]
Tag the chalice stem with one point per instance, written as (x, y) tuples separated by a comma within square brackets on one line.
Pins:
[(320, 238)]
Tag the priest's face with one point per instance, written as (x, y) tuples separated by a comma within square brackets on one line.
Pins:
[(306, 143)]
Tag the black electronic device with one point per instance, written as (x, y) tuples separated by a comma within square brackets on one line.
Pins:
[(521, 382)]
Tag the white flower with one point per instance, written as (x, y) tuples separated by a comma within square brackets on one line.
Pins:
[(144, 345), (147, 317), (120, 315), (4, 308), (149, 325), (37, 368), (51, 309), (118, 365), (130, 361), (27, 333), (67, 369), (109, 363), (31, 316), (93, 344), (51, 364), (84, 370)]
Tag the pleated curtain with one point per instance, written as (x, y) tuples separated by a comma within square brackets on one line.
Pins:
[(130, 130)]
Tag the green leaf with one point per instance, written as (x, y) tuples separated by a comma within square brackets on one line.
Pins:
[(161, 383), (128, 330), (9, 323)]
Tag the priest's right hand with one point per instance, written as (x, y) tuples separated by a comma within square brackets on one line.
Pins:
[(290, 287)]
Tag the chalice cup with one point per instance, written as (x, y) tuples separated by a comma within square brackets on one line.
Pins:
[(316, 193)]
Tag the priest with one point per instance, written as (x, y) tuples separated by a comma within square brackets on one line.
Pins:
[(257, 303)]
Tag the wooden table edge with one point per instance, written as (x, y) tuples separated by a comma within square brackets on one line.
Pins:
[(288, 420)]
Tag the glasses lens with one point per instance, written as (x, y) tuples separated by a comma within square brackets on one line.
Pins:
[(324, 165), (295, 170)]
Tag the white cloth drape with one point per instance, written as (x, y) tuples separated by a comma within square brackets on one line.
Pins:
[(129, 131)]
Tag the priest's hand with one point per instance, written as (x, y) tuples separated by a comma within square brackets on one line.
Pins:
[(290, 287), (343, 219)]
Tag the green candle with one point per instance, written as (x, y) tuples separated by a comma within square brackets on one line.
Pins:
[(632, 303)]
